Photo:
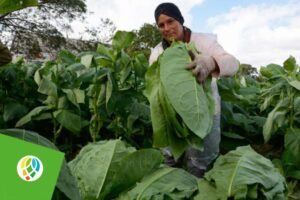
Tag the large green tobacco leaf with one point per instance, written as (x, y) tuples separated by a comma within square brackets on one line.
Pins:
[(7, 6), (66, 183), (180, 114), (95, 165), (133, 168), (165, 183), (164, 132), (242, 174), (191, 100), (106, 168), (179, 129), (177, 132), (159, 122)]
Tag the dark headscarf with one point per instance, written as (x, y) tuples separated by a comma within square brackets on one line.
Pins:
[(170, 10)]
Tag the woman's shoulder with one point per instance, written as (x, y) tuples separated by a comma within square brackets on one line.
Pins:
[(195, 36), (204, 41)]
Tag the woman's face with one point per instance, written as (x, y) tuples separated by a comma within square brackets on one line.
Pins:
[(170, 28)]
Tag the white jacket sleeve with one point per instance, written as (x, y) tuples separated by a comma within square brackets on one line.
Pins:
[(207, 44), (228, 64), (155, 52)]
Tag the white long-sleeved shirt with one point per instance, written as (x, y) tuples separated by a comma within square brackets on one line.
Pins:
[(207, 44)]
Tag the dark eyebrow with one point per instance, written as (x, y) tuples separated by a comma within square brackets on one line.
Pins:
[(167, 21), (170, 19)]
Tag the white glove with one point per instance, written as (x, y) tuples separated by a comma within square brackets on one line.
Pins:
[(202, 66)]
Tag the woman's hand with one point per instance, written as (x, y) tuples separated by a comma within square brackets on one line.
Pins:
[(202, 66)]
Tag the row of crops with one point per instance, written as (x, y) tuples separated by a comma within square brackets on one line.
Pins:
[(92, 106)]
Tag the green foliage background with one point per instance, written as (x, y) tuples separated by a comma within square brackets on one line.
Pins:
[(93, 96)]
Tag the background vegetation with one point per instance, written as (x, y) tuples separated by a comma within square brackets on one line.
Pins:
[(91, 106)]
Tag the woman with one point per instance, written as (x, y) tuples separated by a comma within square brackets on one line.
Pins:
[(213, 61)]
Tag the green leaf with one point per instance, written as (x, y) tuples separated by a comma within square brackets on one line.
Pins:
[(178, 145), (278, 164), (7, 6), (109, 88), (122, 39), (76, 67), (132, 168), (165, 183), (140, 65), (62, 102), (170, 114), (87, 76), (190, 100), (137, 111), (95, 166), (295, 84), (268, 100), (243, 121), (125, 73), (70, 121), (76, 96), (293, 174), (43, 71), (124, 66), (105, 51), (42, 116), (13, 110), (159, 122), (292, 148), (296, 102), (33, 113), (259, 120), (290, 64), (67, 57), (47, 87), (125, 59), (87, 60), (207, 191), (275, 118), (272, 70), (235, 174), (177, 131), (232, 135)]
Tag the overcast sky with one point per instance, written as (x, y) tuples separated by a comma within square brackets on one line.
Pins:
[(257, 32)]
